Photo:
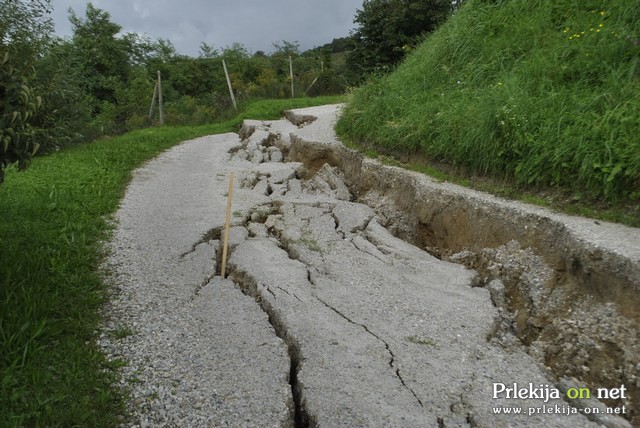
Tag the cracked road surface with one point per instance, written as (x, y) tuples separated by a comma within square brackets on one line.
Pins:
[(325, 319)]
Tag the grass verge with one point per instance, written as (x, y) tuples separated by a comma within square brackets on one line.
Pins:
[(555, 199), (53, 221), (542, 94)]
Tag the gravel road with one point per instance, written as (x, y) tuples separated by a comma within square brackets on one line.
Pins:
[(325, 318)]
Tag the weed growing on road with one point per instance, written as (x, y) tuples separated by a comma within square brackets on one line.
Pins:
[(122, 332), (311, 244), (309, 241), (425, 341)]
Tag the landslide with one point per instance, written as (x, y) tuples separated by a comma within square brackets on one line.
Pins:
[(567, 287), (542, 94)]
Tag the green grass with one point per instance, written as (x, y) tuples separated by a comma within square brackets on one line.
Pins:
[(554, 199), (264, 110), (424, 341), (122, 332), (542, 94), (53, 220)]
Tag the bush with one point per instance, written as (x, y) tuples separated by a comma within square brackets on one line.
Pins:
[(188, 111), (18, 105)]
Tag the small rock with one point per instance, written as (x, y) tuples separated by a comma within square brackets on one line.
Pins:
[(275, 155), (497, 290), (257, 156)]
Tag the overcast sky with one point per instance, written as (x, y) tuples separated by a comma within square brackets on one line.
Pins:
[(255, 23)]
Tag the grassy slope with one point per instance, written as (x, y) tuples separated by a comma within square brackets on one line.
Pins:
[(544, 93), (52, 221)]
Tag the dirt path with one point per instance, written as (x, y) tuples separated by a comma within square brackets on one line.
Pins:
[(327, 317)]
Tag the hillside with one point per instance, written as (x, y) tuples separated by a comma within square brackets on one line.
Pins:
[(544, 94)]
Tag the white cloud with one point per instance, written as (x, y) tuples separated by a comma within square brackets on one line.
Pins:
[(254, 23), (142, 11)]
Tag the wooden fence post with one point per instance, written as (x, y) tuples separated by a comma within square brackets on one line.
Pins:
[(160, 109), (293, 94), (311, 86), (233, 97), (153, 101)]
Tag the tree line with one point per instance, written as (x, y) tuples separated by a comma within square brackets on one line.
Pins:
[(57, 92)]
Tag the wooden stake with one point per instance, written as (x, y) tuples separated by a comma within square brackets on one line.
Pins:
[(160, 99), (226, 73), (153, 101), (293, 94), (311, 86), (226, 227)]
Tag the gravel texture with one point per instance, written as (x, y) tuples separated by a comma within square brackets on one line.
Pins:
[(334, 313)]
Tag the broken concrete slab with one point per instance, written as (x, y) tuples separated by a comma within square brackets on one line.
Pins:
[(400, 351), (374, 330), (328, 174), (275, 155)]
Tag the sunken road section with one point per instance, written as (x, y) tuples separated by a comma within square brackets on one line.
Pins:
[(358, 294), (567, 287)]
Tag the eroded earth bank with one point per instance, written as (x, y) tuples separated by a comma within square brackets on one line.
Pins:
[(359, 294)]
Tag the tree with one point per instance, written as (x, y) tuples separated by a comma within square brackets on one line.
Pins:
[(105, 57), (164, 50), (208, 51), (281, 54), (62, 120), (387, 29), (342, 44), (286, 49), (141, 48), (25, 31), (235, 52)]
